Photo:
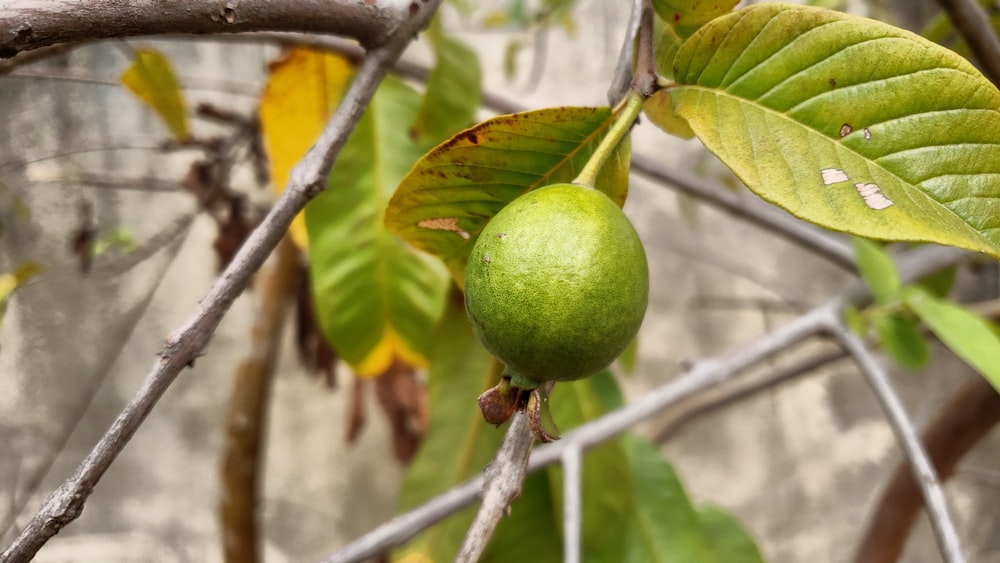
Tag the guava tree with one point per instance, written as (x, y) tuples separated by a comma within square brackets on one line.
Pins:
[(844, 122)]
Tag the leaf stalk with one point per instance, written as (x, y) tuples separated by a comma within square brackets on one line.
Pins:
[(623, 121)]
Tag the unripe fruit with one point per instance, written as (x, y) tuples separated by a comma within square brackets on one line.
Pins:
[(557, 284)]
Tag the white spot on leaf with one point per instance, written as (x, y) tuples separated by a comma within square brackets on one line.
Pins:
[(868, 134), (845, 130), (444, 224), (833, 176), (873, 196)]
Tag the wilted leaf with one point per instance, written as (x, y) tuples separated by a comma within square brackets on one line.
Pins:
[(151, 77), (303, 90), (728, 541), (830, 117), (453, 89), (901, 338), (877, 269), (451, 193), (376, 298), (663, 527), (969, 336)]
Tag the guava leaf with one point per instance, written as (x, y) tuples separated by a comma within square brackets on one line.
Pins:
[(663, 527), (686, 16), (831, 117), (877, 269), (151, 77), (453, 92), (666, 42), (606, 476), (940, 30), (728, 541), (900, 337), (454, 190), (971, 337), (376, 298), (302, 91), (660, 111)]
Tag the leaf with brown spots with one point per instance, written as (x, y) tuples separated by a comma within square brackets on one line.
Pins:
[(453, 191)]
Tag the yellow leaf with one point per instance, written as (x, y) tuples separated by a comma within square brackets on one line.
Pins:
[(304, 89), (390, 347), (151, 77)]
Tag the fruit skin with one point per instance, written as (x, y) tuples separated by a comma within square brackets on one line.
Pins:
[(557, 284)]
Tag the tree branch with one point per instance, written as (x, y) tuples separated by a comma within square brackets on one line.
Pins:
[(973, 24), (920, 466), (966, 418), (185, 344), (702, 375), (502, 485), (30, 24)]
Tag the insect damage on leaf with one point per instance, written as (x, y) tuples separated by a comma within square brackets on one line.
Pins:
[(873, 196), (833, 176), (444, 224), (845, 129)]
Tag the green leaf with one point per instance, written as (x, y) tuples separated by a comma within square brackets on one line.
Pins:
[(663, 526), (453, 89), (630, 356), (376, 298), (877, 269), (855, 320), (666, 42), (901, 338), (686, 16), (458, 443), (450, 195), (151, 77), (969, 336), (939, 283), (530, 532), (728, 541), (606, 477), (828, 116)]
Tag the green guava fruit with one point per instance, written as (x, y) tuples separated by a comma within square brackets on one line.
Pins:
[(557, 284)]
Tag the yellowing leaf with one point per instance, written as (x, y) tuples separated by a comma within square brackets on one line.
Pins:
[(151, 77), (376, 298), (304, 89), (390, 347)]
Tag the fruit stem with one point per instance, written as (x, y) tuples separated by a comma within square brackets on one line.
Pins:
[(624, 119)]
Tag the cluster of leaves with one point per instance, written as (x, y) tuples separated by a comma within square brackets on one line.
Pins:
[(823, 114), (899, 313)]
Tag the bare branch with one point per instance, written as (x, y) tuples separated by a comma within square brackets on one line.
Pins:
[(622, 78), (189, 341), (973, 23), (703, 375), (920, 465), (572, 461), (30, 24), (966, 418), (503, 478)]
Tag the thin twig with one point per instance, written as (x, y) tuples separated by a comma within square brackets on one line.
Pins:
[(189, 341), (572, 462), (702, 375), (28, 25), (965, 418), (972, 22), (502, 485), (644, 80), (621, 80), (920, 465)]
